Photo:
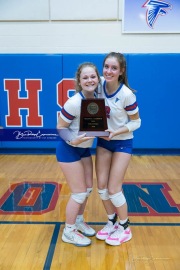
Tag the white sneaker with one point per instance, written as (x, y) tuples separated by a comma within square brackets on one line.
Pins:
[(119, 236), (85, 229), (108, 229), (76, 238)]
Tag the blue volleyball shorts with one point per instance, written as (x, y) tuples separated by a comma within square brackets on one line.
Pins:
[(125, 146), (68, 153)]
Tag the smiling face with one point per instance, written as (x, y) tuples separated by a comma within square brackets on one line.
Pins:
[(88, 80), (111, 69)]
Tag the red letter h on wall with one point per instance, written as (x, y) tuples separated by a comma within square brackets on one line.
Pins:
[(16, 103)]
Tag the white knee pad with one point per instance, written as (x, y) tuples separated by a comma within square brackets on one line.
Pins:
[(79, 197), (89, 190), (118, 199), (103, 193)]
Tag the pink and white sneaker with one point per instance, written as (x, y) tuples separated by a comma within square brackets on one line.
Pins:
[(119, 236), (108, 229)]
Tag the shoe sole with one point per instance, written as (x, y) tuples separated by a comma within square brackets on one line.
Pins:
[(102, 239), (71, 242), (118, 244)]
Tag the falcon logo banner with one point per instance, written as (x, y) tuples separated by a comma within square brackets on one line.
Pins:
[(149, 16)]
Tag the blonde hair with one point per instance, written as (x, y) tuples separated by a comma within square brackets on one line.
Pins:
[(78, 74)]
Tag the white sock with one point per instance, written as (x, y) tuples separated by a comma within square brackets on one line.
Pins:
[(111, 216), (123, 221)]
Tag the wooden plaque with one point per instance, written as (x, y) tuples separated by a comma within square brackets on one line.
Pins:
[(93, 119)]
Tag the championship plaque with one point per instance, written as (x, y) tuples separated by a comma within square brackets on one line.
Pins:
[(93, 119)]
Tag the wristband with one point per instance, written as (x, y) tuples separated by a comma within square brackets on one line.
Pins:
[(66, 134)]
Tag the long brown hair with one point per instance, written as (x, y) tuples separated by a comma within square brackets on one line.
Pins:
[(123, 66)]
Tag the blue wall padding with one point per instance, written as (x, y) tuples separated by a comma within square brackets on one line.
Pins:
[(155, 77)]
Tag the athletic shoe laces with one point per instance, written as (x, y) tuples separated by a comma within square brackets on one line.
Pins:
[(117, 232), (108, 226)]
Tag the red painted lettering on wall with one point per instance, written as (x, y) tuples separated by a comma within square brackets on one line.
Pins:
[(17, 103), (63, 87), (64, 90)]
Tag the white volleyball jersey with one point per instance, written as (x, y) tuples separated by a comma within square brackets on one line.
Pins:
[(118, 106), (70, 113)]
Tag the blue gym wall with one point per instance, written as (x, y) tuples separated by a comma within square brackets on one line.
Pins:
[(154, 76)]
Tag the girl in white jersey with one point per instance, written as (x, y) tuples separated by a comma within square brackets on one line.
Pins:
[(74, 157), (114, 152)]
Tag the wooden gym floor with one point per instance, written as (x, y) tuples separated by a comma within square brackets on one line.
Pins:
[(33, 197)]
